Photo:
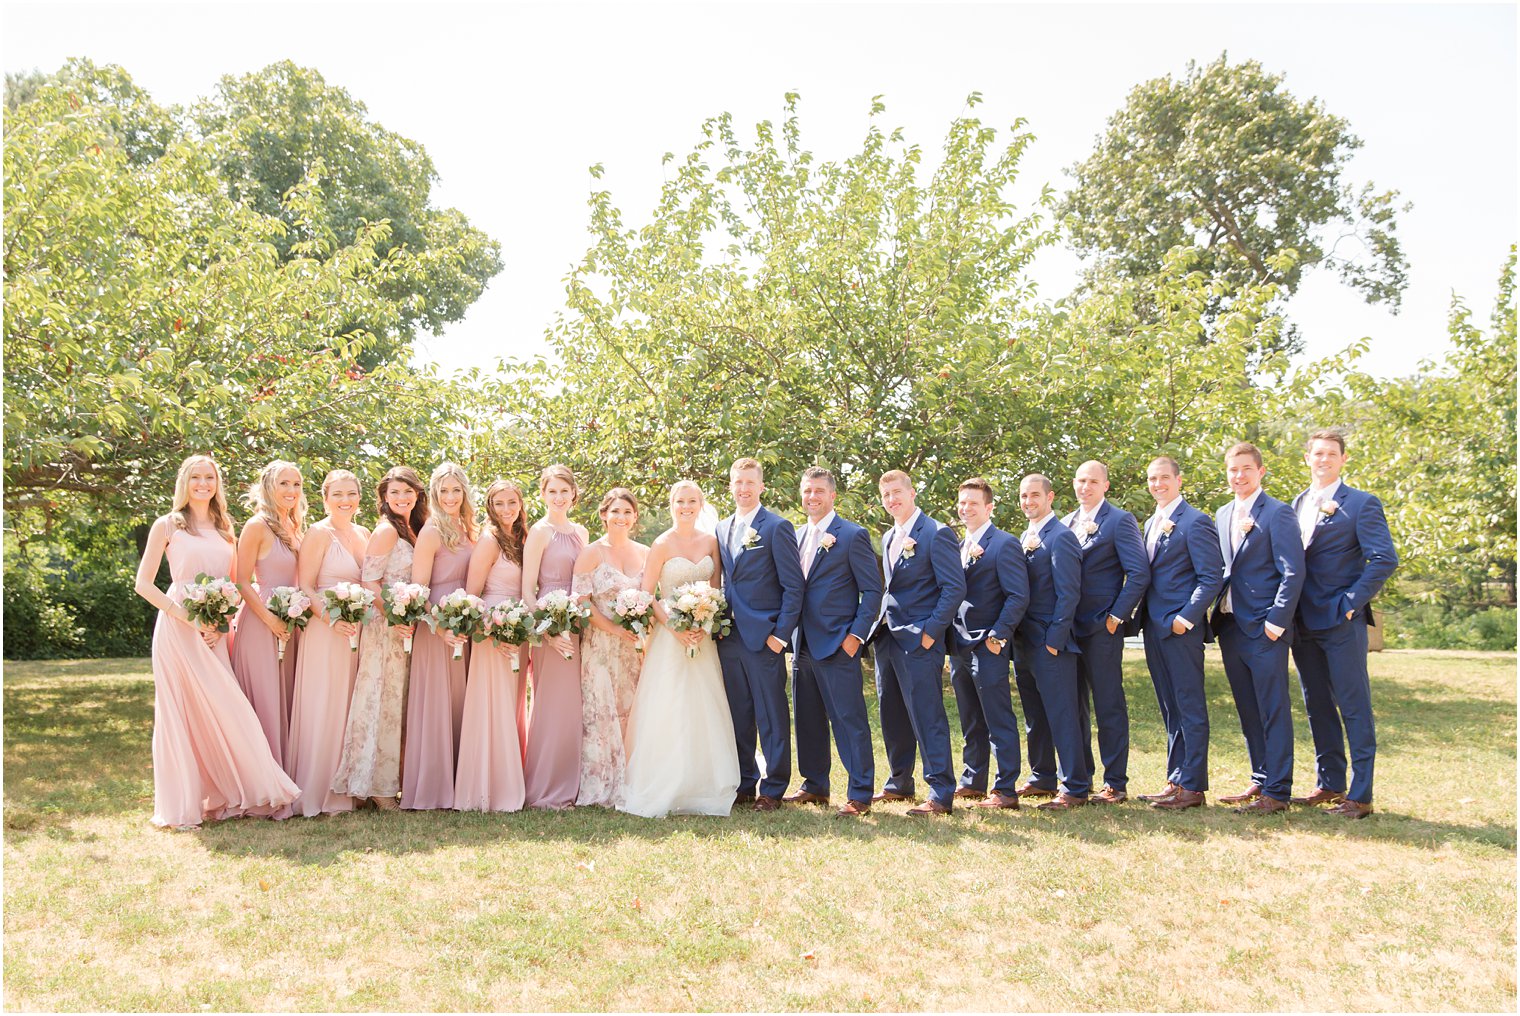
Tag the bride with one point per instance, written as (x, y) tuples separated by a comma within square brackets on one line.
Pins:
[(681, 753)]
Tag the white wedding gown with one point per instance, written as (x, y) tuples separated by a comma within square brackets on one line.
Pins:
[(681, 754)]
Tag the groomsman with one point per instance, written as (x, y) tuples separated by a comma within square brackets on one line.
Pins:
[(841, 594), (924, 588), (1115, 573), (997, 591), (1263, 575), (762, 579), (1187, 571), (1348, 554), (1045, 665)]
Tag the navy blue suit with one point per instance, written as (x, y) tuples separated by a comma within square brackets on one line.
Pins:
[(923, 593), (1262, 579), (1349, 557), (763, 584), (1048, 684), (997, 592), (841, 596), (1186, 575), (1115, 573)]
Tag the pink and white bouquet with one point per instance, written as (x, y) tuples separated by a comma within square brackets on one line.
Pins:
[(559, 613), (212, 601), (405, 603), (633, 610), (511, 623), (351, 602), (699, 605), (458, 613), (292, 606)]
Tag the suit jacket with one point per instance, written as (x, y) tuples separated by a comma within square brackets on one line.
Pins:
[(763, 583), (1055, 587), (1347, 561), (1186, 573), (842, 592), (1115, 571), (924, 591), (997, 590), (1265, 576)]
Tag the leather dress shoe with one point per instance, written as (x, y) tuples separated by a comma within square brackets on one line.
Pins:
[(1180, 800), (1251, 793), (970, 793), (929, 807), (1170, 789), (997, 799), (1031, 789), (1263, 805), (1321, 796), (1062, 802), (763, 803), (892, 795), (1108, 795), (803, 797), (853, 809), (1351, 809)]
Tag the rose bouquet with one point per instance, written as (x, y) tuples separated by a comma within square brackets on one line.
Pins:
[(351, 602), (700, 605), (212, 601), (405, 603), (460, 614), (633, 610), (559, 613), (292, 606), (511, 623)]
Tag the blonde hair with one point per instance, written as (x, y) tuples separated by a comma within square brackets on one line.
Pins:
[(895, 476), (450, 530), (180, 518), (684, 484), (260, 500), (747, 463)]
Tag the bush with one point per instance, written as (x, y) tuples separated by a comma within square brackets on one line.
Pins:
[(1437, 626), (59, 607)]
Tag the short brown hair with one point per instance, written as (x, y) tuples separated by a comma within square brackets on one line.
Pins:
[(747, 463), (617, 494), (894, 476), (1326, 435), (977, 483), (560, 472), (819, 473), (1044, 481), (1244, 448), (1176, 469)]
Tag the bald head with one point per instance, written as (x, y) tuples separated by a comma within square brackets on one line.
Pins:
[(1090, 483)]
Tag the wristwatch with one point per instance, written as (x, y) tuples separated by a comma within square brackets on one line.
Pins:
[(1000, 643)]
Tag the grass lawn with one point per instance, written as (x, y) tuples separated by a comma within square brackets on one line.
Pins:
[(1411, 909)]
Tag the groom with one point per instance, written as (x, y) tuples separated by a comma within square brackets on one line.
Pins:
[(762, 578)]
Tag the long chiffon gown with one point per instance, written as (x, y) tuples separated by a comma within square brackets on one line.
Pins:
[(609, 675), (370, 765), (324, 685), (490, 773), (435, 699), (210, 757), (553, 764), (267, 681)]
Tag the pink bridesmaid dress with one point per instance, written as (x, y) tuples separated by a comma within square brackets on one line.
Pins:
[(268, 681), (324, 684), (210, 758), (490, 774), (435, 698), (553, 766)]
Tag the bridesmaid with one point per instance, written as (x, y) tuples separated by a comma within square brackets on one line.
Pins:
[(266, 558), (325, 672), (210, 757), (490, 776), (435, 700), (610, 659), (370, 765), (552, 767)]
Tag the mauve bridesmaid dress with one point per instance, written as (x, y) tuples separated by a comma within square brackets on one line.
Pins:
[(268, 681), (490, 773), (435, 697), (552, 769)]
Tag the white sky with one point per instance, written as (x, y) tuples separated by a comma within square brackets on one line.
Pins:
[(513, 102)]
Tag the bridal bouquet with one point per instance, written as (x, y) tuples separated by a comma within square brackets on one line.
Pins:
[(351, 602), (458, 613), (700, 605), (405, 603), (559, 613), (511, 623), (212, 601), (292, 606), (633, 609)]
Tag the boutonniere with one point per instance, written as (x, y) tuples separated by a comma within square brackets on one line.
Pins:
[(1329, 507), (1167, 525), (751, 538), (908, 546), (825, 542), (975, 553), (1087, 528), (1032, 544), (1245, 525)]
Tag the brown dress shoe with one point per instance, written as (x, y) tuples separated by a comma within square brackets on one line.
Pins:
[(853, 809), (1062, 802), (1351, 809), (1321, 796), (803, 797), (1108, 795), (1262, 806), (892, 795), (763, 803), (1180, 800), (1251, 793), (1000, 800), (929, 807), (1031, 790), (1162, 795), (970, 793)]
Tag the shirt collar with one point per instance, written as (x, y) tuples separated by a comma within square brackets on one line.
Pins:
[(1168, 510), (823, 524), (746, 519), (1036, 526), (1084, 515), (1327, 493), (1248, 504), (976, 537), (907, 527)]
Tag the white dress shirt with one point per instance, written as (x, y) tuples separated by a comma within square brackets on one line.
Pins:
[(1308, 510), (1163, 513), (1242, 510), (809, 537), (740, 524), (896, 536), (972, 540)]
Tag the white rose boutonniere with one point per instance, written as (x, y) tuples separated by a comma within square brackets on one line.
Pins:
[(908, 547), (976, 552), (1031, 544), (825, 542), (1245, 525), (1329, 507), (751, 538), (1167, 525), (1088, 528)]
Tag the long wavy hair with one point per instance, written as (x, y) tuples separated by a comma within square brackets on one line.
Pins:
[(260, 499), (509, 538), (406, 528), (180, 518), (451, 531)]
